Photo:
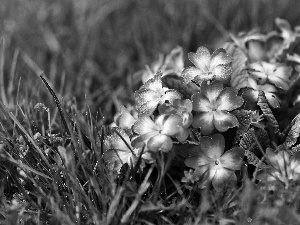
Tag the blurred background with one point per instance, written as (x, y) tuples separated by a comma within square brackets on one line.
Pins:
[(89, 49)]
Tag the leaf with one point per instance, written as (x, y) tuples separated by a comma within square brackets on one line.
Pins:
[(239, 77), (175, 82), (262, 102), (254, 160), (255, 140), (244, 118), (294, 133)]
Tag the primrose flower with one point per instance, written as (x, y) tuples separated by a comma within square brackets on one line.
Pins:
[(213, 105), (150, 71), (209, 160), (276, 74), (180, 107), (118, 151), (268, 47), (208, 67), (289, 35), (152, 94), (284, 167), (126, 118), (260, 47), (183, 108), (268, 89), (173, 63), (157, 134)]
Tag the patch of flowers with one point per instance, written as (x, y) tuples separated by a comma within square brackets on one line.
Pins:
[(226, 123)]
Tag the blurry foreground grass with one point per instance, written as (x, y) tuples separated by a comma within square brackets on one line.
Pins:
[(88, 51)]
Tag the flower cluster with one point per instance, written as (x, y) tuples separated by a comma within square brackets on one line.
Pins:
[(215, 123), (269, 78), (266, 67)]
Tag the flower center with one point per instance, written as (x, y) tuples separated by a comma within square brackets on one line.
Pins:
[(214, 105)]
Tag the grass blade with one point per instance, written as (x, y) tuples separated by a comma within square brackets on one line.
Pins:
[(2, 93)]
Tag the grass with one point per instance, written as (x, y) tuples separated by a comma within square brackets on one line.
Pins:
[(51, 166)]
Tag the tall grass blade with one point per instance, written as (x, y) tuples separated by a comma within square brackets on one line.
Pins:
[(64, 117), (2, 89), (57, 102)]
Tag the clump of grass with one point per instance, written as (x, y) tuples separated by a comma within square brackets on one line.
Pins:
[(52, 164)]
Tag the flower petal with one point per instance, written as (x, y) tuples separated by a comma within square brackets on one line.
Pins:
[(228, 100), (204, 121), (147, 101), (118, 140), (201, 58), (221, 177), (212, 91), (187, 119), (274, 45), (171, 95), (220, 57), (278, 160), (257, 71), (256, 50), (233, 158), (213, 147), (144, 125), (144, 95), (190, 73), (183, 105), (141, 141), (283, 72), (224, 120), (273, 100), (267, 88), (200, 160), (201, 103), (147, 108), (175, 61), (160, 143), (201, 170), (171, 125), (252, 83), (182, 135), (153, 84), (222, 72), (124, 119), (280, 83)]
